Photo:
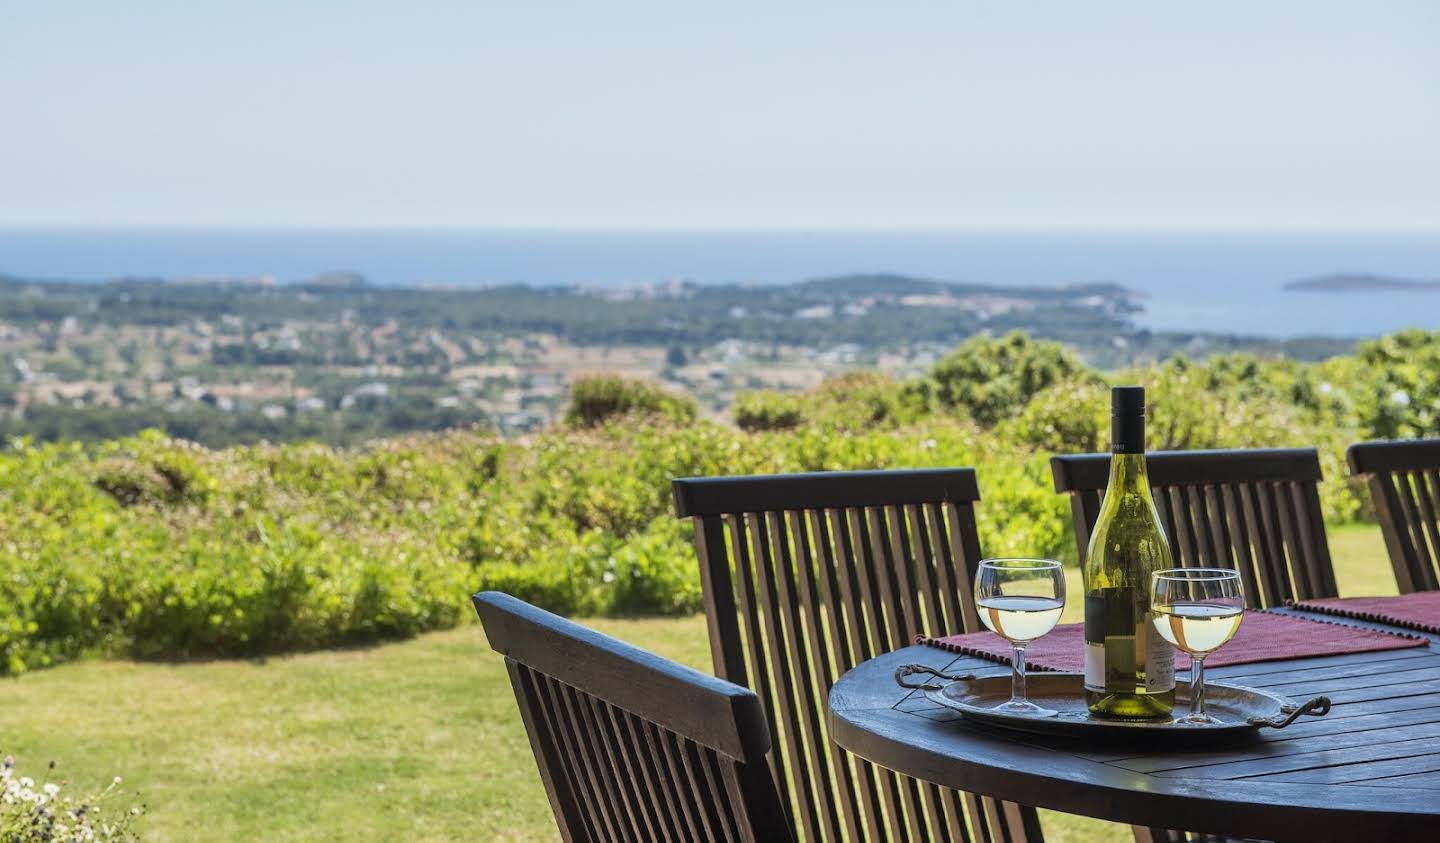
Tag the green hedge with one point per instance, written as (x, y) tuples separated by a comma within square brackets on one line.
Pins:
[(156, 548)]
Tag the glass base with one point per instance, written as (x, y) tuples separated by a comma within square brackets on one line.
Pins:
[(1198, 720), (1026, 708)]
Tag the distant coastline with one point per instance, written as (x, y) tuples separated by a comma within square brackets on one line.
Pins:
[(1346, 282), (1213, 282)]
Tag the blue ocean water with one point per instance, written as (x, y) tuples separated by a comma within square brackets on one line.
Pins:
[(1227, 282)]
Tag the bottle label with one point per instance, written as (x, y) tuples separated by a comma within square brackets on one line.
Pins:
[(1094, 667), (1159, 659), (1119, 652)]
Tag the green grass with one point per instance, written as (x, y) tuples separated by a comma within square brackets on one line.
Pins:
[(416, 741)]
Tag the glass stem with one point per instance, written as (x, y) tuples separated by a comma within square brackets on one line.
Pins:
[(1197, 687), (1017, 675)]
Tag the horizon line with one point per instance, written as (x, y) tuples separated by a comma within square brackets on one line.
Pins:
[(715, 229)]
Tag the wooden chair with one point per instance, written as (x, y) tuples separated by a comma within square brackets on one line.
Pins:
[(1404, 479), (633, 747), (806, 576), (1257, 511)]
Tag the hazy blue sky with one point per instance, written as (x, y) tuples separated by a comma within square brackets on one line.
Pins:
[(615, 113)]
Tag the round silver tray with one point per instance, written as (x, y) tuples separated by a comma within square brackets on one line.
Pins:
[(1242, 711)]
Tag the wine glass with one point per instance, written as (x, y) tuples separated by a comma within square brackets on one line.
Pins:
[(1197, 610), (1020, 600)]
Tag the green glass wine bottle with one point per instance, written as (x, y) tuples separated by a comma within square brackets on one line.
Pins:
[(1129, 668)]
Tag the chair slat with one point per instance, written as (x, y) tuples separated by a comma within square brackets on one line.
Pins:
[(854, 564), (551, 750), (965, 545), (903, 573), (946, 578), (926, 586), (1427, 493), (882, 572), (677, 784), (1237, 517), (1257, 511), (823, 668), (1215, 515), (793, 774), (692, 766), (815, 767), (1404, 481), (607, 812)]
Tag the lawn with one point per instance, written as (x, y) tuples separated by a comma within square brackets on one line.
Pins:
[(414, 741)]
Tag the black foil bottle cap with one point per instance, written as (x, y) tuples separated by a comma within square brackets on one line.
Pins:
[(1127, 420)]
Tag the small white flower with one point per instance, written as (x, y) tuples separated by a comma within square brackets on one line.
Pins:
[(1400, 397), (117, 780), (51, 789)]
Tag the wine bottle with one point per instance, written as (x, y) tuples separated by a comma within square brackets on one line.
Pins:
[(1129, 667)]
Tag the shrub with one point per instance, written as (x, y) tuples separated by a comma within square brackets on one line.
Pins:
[(1402, 372), (153, 547), (860, 399), (1067, 418), (769, 410), (596, 398), (35, 812), (992, 379)]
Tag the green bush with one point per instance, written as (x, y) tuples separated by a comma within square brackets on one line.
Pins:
[(1402, 373), (596, 398), (769, 410), (992, 379), (157, 548)]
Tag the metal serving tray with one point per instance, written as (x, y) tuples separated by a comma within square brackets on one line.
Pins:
[(1242, 711)]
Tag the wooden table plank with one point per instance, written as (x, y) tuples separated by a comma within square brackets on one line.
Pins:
[(1201, 762), (1426, 780), (1245, 768), (1365, 771)]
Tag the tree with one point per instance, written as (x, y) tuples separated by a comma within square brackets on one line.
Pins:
[(992, 379)]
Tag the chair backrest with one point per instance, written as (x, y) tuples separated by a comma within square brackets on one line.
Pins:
[(1255, 510), (633, 747), (806, 576), (1404, 480)]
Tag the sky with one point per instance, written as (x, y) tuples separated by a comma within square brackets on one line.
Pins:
[(757, 115)]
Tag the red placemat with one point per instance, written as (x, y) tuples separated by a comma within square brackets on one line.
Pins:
[(1420, 610), (1263, 637)]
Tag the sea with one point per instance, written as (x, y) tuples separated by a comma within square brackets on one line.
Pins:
[(1225, 282)]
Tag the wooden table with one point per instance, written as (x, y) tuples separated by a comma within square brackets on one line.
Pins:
[(1368, 771)]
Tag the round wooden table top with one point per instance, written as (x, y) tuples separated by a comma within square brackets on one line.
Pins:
[(1368, 770)]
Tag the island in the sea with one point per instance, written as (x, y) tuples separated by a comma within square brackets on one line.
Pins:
[(1345, 282)]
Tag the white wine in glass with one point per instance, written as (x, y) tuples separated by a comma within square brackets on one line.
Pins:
[(1020, 618), (1020, 600), (1197, 627), (1197, 610)]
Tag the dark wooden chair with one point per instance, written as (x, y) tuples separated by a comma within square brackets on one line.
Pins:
[(1404, 479), (806, 576), (633, 747), (1257, 511)]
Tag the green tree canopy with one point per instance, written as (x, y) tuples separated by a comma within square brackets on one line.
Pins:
[(992, 379)]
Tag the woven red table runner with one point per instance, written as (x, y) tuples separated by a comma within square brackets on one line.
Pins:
[(1263, 637), (1420, 610)]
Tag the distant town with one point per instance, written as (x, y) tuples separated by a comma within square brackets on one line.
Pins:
[(337, 359)]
